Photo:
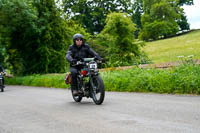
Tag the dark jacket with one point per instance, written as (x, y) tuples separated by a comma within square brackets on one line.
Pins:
[(1, 69), (76, 53)]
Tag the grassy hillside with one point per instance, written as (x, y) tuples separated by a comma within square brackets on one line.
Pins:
[(168, 50)]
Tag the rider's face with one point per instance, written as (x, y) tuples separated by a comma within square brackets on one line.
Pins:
[(79, 42)]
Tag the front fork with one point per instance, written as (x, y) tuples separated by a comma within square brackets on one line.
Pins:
[(93, 87), (95, 73)]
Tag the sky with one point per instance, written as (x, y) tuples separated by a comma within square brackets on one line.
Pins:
[(193, 14)]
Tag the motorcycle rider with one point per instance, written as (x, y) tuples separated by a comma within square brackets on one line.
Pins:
[(3, 71), (77, 51)]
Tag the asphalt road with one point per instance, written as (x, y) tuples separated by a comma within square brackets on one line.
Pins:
[(48, 110)]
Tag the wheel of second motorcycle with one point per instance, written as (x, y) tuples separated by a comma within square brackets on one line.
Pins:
[(98, 92), (76, 98), (1, 86)]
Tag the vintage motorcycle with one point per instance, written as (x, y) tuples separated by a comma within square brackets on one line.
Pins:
[(90, 84), (2, 81)]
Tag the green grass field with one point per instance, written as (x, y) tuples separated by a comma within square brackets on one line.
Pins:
[(168, 50)]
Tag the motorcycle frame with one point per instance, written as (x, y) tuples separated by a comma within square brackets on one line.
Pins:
[(90, 75)]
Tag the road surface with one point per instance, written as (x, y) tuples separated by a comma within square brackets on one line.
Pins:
[(48, 110)]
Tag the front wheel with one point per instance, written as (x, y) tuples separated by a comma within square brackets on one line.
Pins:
[(97, 90), (1, 85)]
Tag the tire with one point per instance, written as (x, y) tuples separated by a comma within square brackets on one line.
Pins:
[(79, 97), (98, 92), (76, 98), (1, 85)]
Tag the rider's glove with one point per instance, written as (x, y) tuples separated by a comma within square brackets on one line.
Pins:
[(97, 58), (102, 60)]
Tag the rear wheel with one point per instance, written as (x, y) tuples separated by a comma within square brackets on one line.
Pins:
[(76, 98), (98, 92)]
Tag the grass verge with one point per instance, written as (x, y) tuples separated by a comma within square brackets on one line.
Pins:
[(184, 79)]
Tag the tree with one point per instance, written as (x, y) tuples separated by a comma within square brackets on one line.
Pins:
[(185, 2), (53, 38), (137, 14), (159, 19), (92, 14), (3, 44), (39, 36), (139, 7), (182, 22), (118, 35), (18, 24)]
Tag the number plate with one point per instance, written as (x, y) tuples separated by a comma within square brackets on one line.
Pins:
[(93, 66)]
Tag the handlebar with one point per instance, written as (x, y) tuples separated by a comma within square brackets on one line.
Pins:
[(78, 63), (87, 60)]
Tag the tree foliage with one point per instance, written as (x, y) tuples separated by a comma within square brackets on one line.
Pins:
[(53, 38), (35, 34), (118, 36), (137, 8), (185, 2), (38, 36), (92, 13), (159, 19), (182, 22), (4, 40), (18, 22), (141, 6)]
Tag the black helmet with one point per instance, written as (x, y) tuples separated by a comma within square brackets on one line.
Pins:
[(77, 36)]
